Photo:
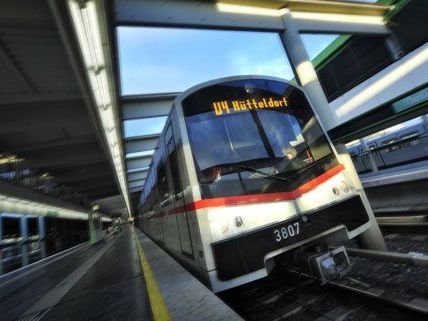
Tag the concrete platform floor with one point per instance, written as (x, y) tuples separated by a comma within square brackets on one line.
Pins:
[(104, 282)]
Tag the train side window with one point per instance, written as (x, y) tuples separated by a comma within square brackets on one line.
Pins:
[(173, 161), (163, 184)]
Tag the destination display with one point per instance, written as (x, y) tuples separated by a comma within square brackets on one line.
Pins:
[(234, 106)]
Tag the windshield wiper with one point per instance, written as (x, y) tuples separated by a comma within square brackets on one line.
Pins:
[(255, 170)]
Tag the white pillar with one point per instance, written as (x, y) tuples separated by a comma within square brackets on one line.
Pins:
[(1, 227), (23, 223), (425, 121), (372, 238), (366, 148), (305, 72), (394, 47), (1, 238)]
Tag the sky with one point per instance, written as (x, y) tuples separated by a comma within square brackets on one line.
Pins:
[(144, 126), (159, 60)]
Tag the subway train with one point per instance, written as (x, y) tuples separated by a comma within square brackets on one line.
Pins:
[(396, 146), (243, 177)]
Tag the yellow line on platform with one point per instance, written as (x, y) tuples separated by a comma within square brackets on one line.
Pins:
[(157, 303)]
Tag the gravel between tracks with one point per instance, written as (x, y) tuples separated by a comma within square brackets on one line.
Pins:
[(286, 296)]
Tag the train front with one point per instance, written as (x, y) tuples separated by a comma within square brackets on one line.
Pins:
[(269, 179)]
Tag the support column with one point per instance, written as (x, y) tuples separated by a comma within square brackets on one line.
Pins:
[(1, 249), (42, 236), (394, 47), (366, 148), (372, 238), (1, 227), (23, 224), (100, 228), (95, 227), (425, 120), (305, 72), (92, 229)]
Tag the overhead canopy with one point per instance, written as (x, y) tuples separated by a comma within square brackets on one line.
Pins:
[(142, 100), (44, 121)]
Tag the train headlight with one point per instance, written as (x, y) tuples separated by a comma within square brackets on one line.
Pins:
[(336, 191), (344, 187)]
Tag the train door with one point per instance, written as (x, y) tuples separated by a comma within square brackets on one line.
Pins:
[(177, 198), (167, 230)]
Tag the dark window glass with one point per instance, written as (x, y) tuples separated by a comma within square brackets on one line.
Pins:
[(346, 69), (10, 227), (33, 226), (371, 54), (271, 142), (328, 81), (359, 59), (163, 183), (176, 182), (410, 25)]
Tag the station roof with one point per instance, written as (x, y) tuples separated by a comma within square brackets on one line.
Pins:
[(153, 105), (318, 6), (55, 98), (44, 120)]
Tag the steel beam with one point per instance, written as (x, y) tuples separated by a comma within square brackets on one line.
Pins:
[(305, 71), (138, 170), (138, 163), (310, 22), (148, 97), (136, 176), (188, 13), (136, 184), (141, 145), (316, 6), (227, 14), (16, 71), (136, 189), (145, 109)]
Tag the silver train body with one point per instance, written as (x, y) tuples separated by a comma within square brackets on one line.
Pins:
[(242, 174)]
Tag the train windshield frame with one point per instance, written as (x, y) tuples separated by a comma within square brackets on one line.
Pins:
[(254, 136)]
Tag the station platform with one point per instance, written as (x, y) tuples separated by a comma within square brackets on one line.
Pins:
[(127, 277), (395, 175)]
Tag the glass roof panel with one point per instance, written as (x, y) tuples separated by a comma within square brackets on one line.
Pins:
[(144, 126), (159, 60), (316, 43)]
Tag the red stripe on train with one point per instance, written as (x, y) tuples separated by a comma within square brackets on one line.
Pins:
[(259, 198)]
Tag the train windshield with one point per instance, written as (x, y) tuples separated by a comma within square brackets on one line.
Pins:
[(254, 136)]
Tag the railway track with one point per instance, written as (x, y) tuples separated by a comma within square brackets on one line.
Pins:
[(303, 298), (372, 291), (416, 308)]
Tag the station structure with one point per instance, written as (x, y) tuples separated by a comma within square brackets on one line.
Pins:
[(69, 174)]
